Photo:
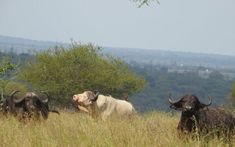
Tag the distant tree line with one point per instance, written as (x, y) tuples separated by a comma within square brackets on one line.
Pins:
[(161, 83)]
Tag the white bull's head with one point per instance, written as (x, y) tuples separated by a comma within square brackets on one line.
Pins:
[(85, 99)]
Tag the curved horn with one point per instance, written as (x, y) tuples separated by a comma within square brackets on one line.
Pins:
[(14, 92), (96, 96), (44, 100), (170, 99), (18, 100), (210, 101)]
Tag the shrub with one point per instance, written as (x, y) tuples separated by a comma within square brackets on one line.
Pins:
[(63, 72)]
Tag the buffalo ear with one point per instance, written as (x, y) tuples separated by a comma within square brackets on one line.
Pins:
[(176, 106)]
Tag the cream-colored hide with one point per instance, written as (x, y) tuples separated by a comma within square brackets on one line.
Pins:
[(103, 106)]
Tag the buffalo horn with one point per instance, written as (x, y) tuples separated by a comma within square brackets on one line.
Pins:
[(170, 100), (18, 100), (44, 100), (96, 96), (210, 101), (14, 92)]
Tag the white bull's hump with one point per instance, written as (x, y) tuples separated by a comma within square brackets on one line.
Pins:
[(101, 101)]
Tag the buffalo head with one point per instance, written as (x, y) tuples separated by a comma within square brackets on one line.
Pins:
[(188, 104), (33, 105), (209, 121), (190, 107)]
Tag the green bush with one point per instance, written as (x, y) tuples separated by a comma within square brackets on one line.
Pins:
[(63, 72)]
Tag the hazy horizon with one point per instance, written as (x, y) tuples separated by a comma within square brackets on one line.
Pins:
[(203, 26)]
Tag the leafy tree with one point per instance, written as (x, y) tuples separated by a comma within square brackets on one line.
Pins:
[(64, 72)]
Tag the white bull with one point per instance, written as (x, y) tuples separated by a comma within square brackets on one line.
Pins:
[(103, 106)]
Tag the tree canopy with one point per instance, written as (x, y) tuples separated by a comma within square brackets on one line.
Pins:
[(67, 71)]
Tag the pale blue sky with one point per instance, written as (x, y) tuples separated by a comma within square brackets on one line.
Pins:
[(183, 25)]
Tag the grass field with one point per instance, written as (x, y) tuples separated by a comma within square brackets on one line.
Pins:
[(76, 129)]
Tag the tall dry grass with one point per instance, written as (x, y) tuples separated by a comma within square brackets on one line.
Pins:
[(75, 129)]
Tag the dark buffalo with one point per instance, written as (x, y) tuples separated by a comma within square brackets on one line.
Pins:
[(197, 116), (28, 106)]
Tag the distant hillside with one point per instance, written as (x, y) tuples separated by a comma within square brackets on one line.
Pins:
[(154, 57), (20, 45), (173, 58)]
